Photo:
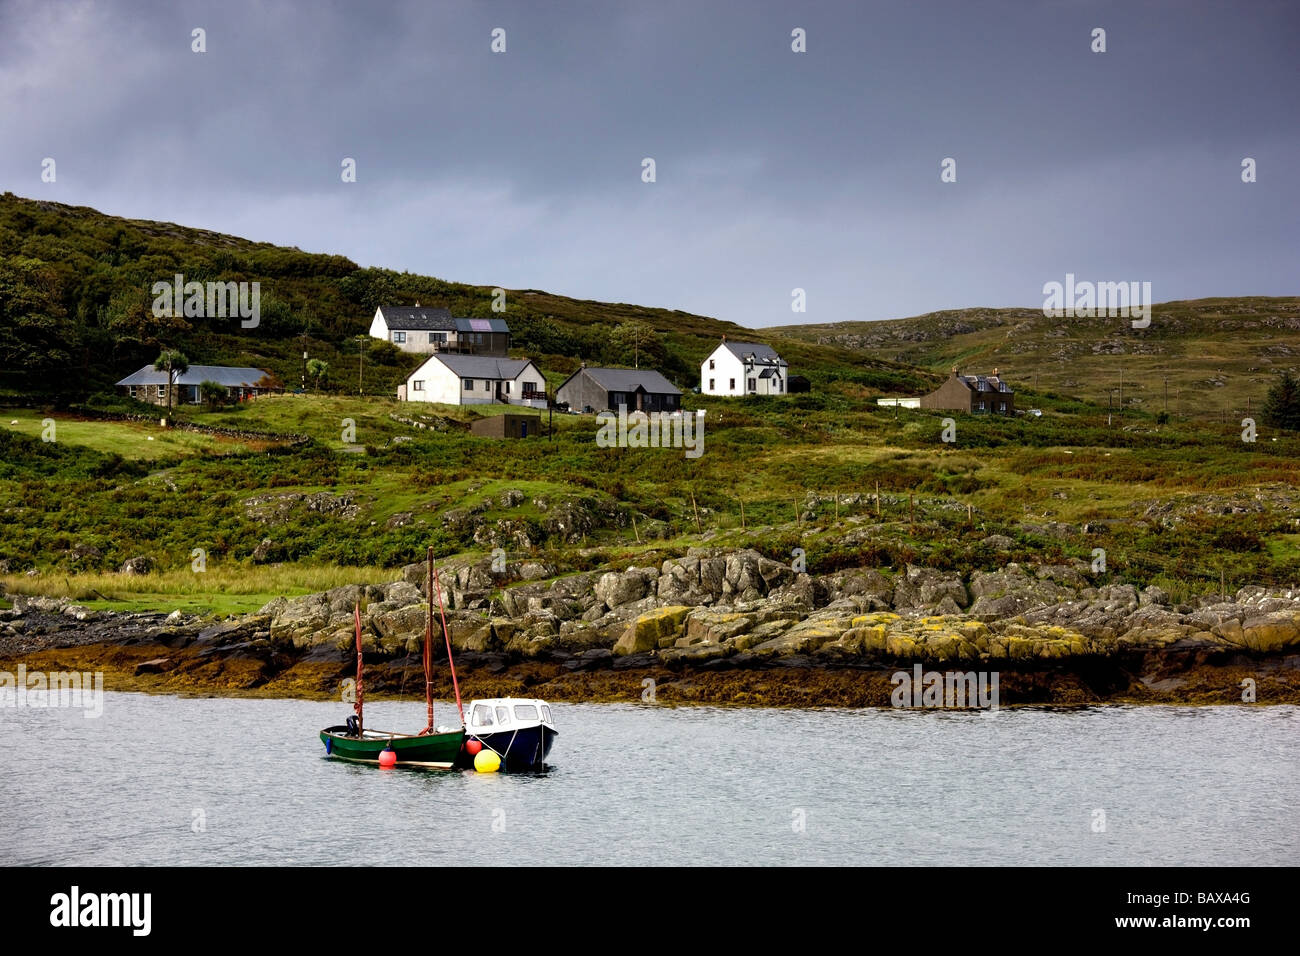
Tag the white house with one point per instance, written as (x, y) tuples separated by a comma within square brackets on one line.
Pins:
[(475, 380), (744, 368), (423, 329)]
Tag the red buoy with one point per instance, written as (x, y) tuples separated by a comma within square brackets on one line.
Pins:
[(388, 758), (472, 747)]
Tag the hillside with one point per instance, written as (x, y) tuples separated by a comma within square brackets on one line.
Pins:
[(1217, 357), (75, 296)]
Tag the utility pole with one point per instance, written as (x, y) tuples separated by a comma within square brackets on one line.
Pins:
[(1166, 394), (1121, 392), (361, 360)]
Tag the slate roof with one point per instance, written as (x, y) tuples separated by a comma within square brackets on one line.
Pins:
[(630, 379), (417, 318), (221, 374), (763, 354), (481, 366), (980, 383)]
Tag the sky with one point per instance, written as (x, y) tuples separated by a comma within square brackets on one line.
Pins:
[(774, 170)]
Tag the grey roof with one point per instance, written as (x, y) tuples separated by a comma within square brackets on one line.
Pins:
[(763, 354), (417, 318), (991, 383), (481, 325), (630, 379), (197, 374), (482, 366)]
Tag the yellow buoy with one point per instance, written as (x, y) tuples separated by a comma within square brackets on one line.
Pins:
[(487, 761)]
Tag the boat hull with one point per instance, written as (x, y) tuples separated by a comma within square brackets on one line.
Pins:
[(522, 749), (429, 751)]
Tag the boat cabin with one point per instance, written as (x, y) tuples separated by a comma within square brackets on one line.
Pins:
[(498, 714)]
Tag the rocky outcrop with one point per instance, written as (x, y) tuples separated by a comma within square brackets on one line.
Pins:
[(712, 608)]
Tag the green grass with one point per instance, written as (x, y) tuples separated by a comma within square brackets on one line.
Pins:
[(216, 592), (133, 440)]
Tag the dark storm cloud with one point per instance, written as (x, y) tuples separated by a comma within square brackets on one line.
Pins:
[(775, 170)]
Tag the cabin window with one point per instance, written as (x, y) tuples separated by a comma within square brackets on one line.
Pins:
[(546, 714), (399, 338), (418, 385), (482, 716), (525, 712), (503, 715), (468, 383)]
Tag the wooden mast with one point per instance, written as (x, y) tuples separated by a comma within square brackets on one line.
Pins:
[(447, 635), (358, 704)]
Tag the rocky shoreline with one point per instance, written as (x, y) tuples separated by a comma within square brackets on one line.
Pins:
[(713, 626)]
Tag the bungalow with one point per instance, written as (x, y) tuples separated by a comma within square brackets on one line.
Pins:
[(744, 368), (475, 380), (605, 389), (422, 330), (148, 385), (973, 394)]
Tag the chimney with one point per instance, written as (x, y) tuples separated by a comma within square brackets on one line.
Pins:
[(954, 371), (995, 371), (417, 303)]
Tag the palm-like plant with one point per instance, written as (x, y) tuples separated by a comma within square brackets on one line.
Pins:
[(175, 364)]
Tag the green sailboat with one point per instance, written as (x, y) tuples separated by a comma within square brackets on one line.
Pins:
[(433, 748)]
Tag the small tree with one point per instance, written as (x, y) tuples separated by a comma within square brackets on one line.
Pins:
[(212, 393), (319, 371), (175, 364), (1282, 404)]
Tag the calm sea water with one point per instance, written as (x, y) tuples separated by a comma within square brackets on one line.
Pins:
[(651, 784)]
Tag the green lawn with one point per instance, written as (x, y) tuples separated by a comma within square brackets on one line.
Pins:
[(135, 440)]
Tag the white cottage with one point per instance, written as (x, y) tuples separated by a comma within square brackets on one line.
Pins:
[(475, 380), (423, 329), (744, 368)]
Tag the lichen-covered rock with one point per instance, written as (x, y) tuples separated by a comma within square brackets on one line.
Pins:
[(920, 587), (645, 633)]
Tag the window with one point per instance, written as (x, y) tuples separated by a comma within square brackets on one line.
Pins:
[(399, 338), (732, 385), (417, 385), (482, 716), (468, 383), (437, 338), (507, 388), (979, 406), (546, 713), (525, 712), (162, 391), (712, 386), (503, 715), (1002, 407), (751, 385), (711, 365)]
